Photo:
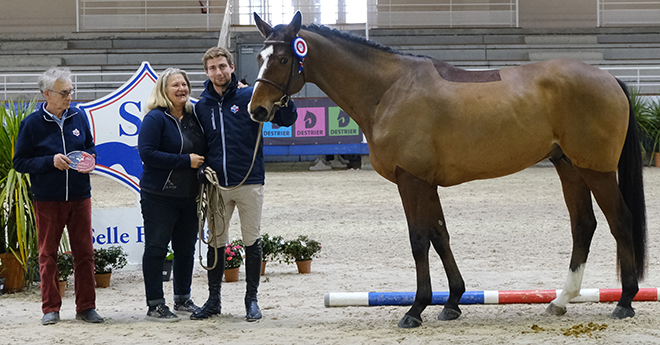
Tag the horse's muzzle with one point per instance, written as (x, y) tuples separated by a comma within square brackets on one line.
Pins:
[(260, 114)]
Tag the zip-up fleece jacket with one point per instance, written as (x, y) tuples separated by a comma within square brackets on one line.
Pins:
[(165, 145), (39, 139), (231, 134)]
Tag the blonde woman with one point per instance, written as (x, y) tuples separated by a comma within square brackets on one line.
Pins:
[(171, 144)]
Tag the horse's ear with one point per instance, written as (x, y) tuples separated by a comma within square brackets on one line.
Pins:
[(296, 22), (263, 27)]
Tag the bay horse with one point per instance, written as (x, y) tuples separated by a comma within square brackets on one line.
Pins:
[(430, 124)]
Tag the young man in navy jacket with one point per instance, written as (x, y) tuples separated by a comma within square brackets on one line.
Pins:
[(231, 136), (61, 194)]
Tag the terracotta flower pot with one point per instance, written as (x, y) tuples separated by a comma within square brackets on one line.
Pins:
[(62, 286), (656, 158), (304, 267), (13, 272), (102, 279), (231, 275), (263, 267)]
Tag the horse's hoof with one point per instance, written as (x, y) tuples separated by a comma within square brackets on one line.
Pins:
[(448, 314), (409, 322), (622, 313), (555, 310)]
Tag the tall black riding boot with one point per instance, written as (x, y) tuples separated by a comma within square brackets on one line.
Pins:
[(212, 306), (252, 276)]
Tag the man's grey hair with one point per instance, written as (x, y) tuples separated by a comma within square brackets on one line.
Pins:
[(53, 74)]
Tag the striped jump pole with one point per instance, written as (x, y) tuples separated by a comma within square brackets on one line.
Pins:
[(345, 299)]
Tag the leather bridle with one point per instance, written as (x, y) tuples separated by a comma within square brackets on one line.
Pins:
[(284, 101)]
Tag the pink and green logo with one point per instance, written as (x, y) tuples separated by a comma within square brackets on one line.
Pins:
[(340, 124), (311, 122)]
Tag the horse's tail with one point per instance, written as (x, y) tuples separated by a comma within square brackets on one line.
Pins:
[(632, 187)]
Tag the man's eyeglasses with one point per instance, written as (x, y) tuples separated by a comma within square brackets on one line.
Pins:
[(65, 93)]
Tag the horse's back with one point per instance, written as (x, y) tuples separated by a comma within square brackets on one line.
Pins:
[(451, 132)]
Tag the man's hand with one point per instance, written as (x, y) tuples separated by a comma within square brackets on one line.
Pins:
[(61, 161), (196, 160)]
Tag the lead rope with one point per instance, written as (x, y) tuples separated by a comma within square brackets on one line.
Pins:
[(211, 206)]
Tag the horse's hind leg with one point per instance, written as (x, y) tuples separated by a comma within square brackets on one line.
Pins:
[(610, 200), (426, 224), (583, 224)]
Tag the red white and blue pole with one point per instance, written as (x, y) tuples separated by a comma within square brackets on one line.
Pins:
[(345, 299)]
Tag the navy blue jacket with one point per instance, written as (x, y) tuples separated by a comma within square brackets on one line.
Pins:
[(39, 139), (231, 134), (165, 145)]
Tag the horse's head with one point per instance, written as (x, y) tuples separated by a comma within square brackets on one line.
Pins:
[(280, 72)]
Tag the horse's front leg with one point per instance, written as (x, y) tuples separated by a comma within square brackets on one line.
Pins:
[(426, 224)]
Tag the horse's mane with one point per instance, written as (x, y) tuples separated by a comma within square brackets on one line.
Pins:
[(329, 33)]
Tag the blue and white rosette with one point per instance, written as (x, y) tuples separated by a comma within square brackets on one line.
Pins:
[(300, 49)]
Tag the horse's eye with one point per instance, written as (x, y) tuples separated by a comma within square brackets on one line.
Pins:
[(284, 61)]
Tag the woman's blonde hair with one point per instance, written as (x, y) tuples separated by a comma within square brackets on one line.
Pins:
[(158, 97)]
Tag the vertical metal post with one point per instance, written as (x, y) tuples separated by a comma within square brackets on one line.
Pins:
[(390, 11), (451, 14), (145, 16), (77, 17), (597, 13), (366, 23), (75, 83), (341, 12), (517, 13)]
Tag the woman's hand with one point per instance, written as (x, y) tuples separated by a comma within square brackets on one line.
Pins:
[(196, 160)]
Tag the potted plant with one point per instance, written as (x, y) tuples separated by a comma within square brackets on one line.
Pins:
[(301, 250), (2, 279), (65, 268), (233, 260), (272, 249), (106, 260), (653, 108), (167, 265), (647, 116), (18, 230)]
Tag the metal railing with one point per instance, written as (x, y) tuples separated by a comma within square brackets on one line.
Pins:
[(628, 13), (149, 15), (386, 13), (145, 15), (86, 86), (447, 13), (91, 86)]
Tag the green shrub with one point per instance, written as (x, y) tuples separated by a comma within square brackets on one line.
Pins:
[(108, 259), (301, 249)]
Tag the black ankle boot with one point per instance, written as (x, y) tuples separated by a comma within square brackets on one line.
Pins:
[(252, 276), (212, 306)]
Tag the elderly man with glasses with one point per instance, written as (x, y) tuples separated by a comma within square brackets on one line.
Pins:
[(61, 191)]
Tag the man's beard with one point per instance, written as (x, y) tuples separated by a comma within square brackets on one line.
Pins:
[(223, 86)]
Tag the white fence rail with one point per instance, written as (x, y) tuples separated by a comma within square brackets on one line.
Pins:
[(145, 15), (149, 15), (384, 13), (447, 13), (628, 13), (90, 86), (86, 86)]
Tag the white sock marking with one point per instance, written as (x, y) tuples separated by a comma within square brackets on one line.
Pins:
[(571, 287)]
